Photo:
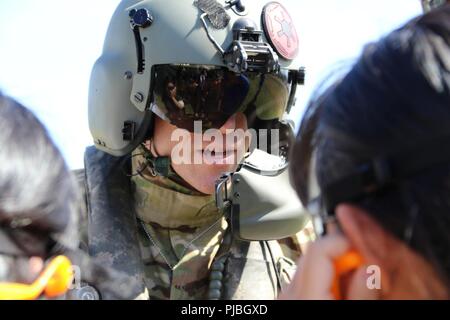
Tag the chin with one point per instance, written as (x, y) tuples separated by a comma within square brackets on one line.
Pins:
[(204, 180), (203, 177), (206, 189)]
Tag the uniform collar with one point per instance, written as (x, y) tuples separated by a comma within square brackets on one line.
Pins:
[(169, 204)]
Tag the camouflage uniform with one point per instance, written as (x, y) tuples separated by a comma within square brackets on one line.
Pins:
[(187, 229), (175, 242)]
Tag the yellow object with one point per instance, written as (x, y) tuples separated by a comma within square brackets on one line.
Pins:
[(345, 264), (54, 281)]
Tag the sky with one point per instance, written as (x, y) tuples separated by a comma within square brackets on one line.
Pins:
[(48, 47)]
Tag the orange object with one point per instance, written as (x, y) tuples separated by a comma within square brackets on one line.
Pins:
[(54, 281), (345, 264)]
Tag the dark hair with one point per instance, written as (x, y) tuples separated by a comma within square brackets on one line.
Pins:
[(37, 192), (397, 95)]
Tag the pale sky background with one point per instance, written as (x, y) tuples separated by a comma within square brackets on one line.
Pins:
[(47, 49)]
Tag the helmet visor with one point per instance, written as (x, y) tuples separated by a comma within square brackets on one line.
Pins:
[(184, 94)]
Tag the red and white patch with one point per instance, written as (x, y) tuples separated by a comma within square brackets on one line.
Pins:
[(280, 30)]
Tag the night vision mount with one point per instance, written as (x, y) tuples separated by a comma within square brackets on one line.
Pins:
[(248, 51)]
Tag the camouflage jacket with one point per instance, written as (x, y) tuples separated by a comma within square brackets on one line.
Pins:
[(171, 239)]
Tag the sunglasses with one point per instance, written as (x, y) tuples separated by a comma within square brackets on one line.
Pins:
[(212, 94)]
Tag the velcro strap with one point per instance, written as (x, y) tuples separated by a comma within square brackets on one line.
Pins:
[(217, 15)]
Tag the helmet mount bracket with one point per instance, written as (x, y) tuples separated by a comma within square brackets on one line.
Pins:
[(248, 51)]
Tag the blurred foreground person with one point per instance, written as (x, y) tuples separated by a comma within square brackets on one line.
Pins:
[(38, 220), (377, 146)]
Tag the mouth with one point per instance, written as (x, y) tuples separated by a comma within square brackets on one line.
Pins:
[(218, 154), (225, 157)]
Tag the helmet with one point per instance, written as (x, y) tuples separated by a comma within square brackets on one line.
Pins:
[(429, 5), (192, 60)]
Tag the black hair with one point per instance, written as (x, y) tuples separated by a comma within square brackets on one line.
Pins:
[(396, 96), (37, 191)]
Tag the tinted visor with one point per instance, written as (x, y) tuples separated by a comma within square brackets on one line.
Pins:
[(184, 94)]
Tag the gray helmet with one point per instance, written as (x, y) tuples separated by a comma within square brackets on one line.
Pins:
[(429, 5), (251, 46)]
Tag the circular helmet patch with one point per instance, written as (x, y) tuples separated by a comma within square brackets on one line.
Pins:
[(280, 30)]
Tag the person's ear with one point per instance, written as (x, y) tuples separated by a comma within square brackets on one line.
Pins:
[(367, 237), (364, 233)]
